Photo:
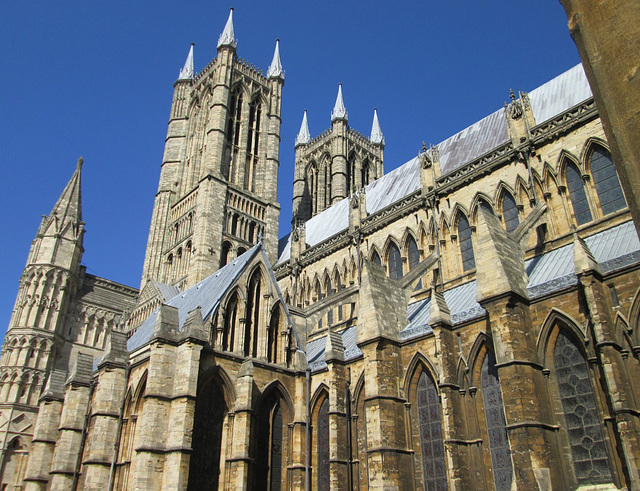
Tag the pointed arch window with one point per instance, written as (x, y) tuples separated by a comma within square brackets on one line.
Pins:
[(510, 212), (270, 455), (496, 424), (583, 424), (375, 258), (274, 333), (322, 447), (231, 316), (365, 173), (431, 442), (413, 255), (466, 244), (252, 319), (606, 181), (577, 194), (395, 262), (208, 425)]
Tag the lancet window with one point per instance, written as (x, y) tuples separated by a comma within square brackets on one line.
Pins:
[(582, 423), (606, 181), (322, 446), (577, 194), (510, 212), (431, 441), (466, 244), (496, 424), (395, 262)]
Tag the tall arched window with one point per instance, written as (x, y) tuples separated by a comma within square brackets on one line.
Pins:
[(274, 334), (510, 212), (270, 454), (606, 181), (231, 315), (496, 424), (208, 424), (582, 423), (322, 446), (466, 245), (431, 443), (375, 258), (575, 186), (395, 262), (413, 256), (252, 319), (365, 173)]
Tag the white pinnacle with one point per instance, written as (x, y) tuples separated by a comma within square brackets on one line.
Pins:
[(227, 37), (275, 70), (376, 131), (303, 135), (339, 111), (187, 73)]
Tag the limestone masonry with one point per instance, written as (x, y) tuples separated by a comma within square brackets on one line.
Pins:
[(470, 320)]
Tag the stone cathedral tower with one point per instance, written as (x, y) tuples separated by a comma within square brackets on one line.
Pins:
[(219, 178), (335, 164)]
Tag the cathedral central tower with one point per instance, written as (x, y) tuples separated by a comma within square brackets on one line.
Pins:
[(217, 194)]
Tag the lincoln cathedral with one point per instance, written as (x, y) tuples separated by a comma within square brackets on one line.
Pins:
[(469, 320)]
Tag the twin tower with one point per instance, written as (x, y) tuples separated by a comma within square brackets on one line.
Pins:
[(217, 194)]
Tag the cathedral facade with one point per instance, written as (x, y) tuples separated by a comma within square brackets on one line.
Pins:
[(469, 320)]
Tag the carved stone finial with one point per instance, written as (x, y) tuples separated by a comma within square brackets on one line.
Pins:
[(80, 162)]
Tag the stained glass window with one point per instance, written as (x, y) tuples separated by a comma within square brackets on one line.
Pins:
[(606, 181), (496, 424), (581, 419), (413, 256), (577, 194), (431, 443), (276, 450), (322, 446), (269, 451), (466, 245), (395, 262), (510, 213)]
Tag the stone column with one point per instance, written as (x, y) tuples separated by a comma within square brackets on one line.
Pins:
[(183, 402), (45, 433), (72, 424), (237, 465), (338, 428), (105, 413), (152, 423), (501, 290), (456, 443)]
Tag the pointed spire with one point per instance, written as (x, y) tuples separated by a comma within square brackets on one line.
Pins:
[(339, 111), (275, 70), (303, 135), (68, 205), (376, 131), (227, 38), (187, 73)]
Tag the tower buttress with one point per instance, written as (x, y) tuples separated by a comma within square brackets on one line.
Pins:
[(339, 188)]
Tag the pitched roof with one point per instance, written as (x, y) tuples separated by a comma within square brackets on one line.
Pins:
[(206, 295), (548, 100)]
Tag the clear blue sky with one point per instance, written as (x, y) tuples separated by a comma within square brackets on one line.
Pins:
[(96, 79)]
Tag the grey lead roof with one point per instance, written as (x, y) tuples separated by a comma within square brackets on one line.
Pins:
[(206, 295), (614, 248), (548, 100)]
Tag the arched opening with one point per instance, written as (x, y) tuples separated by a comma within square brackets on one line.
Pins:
[(466, 244), (582, 421), (375, 258), (606, 181), (395, 262), (510, 212), (271, 444), (14, 465), (577, 194), (252, 318), (211, 410), (496, 424), (230, 322), (321, 461)]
